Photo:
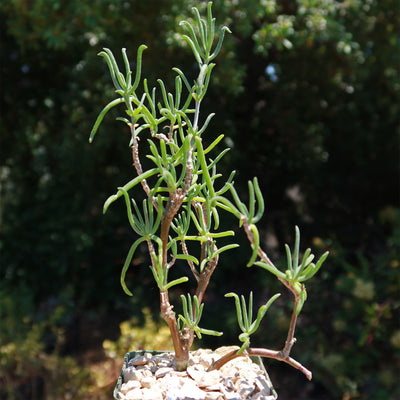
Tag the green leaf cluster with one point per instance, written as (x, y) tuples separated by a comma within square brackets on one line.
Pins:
[(192, 312), (245, 316), (181, 185), (182, 172)]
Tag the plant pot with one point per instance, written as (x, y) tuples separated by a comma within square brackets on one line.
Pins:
[(150, 375)]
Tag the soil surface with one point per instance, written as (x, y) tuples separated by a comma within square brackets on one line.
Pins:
[(154, 377)]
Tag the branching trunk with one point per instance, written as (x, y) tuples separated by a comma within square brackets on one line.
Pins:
[(251, 351)]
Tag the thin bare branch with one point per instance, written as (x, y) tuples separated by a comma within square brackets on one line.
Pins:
[(277, 355), (191, 265), (138, 166)]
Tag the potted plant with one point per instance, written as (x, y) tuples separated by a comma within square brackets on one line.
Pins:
[(184, 196)]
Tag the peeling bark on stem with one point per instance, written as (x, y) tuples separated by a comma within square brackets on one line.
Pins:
[(174, 203), (179, 340), (138, 166)]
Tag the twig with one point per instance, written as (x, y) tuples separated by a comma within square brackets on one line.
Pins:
[(137, 164), (291, 340), (250, 237), (282, 355), (205, 277), (191, 265), (277, 355)]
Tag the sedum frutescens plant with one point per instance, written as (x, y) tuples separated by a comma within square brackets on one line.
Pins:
[(185, 194)]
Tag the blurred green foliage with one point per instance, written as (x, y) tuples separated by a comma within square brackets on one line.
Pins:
[(150, 334), (31, 361), (307, 93)]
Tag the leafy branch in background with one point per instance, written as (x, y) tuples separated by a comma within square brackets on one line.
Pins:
[(185, 195)]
